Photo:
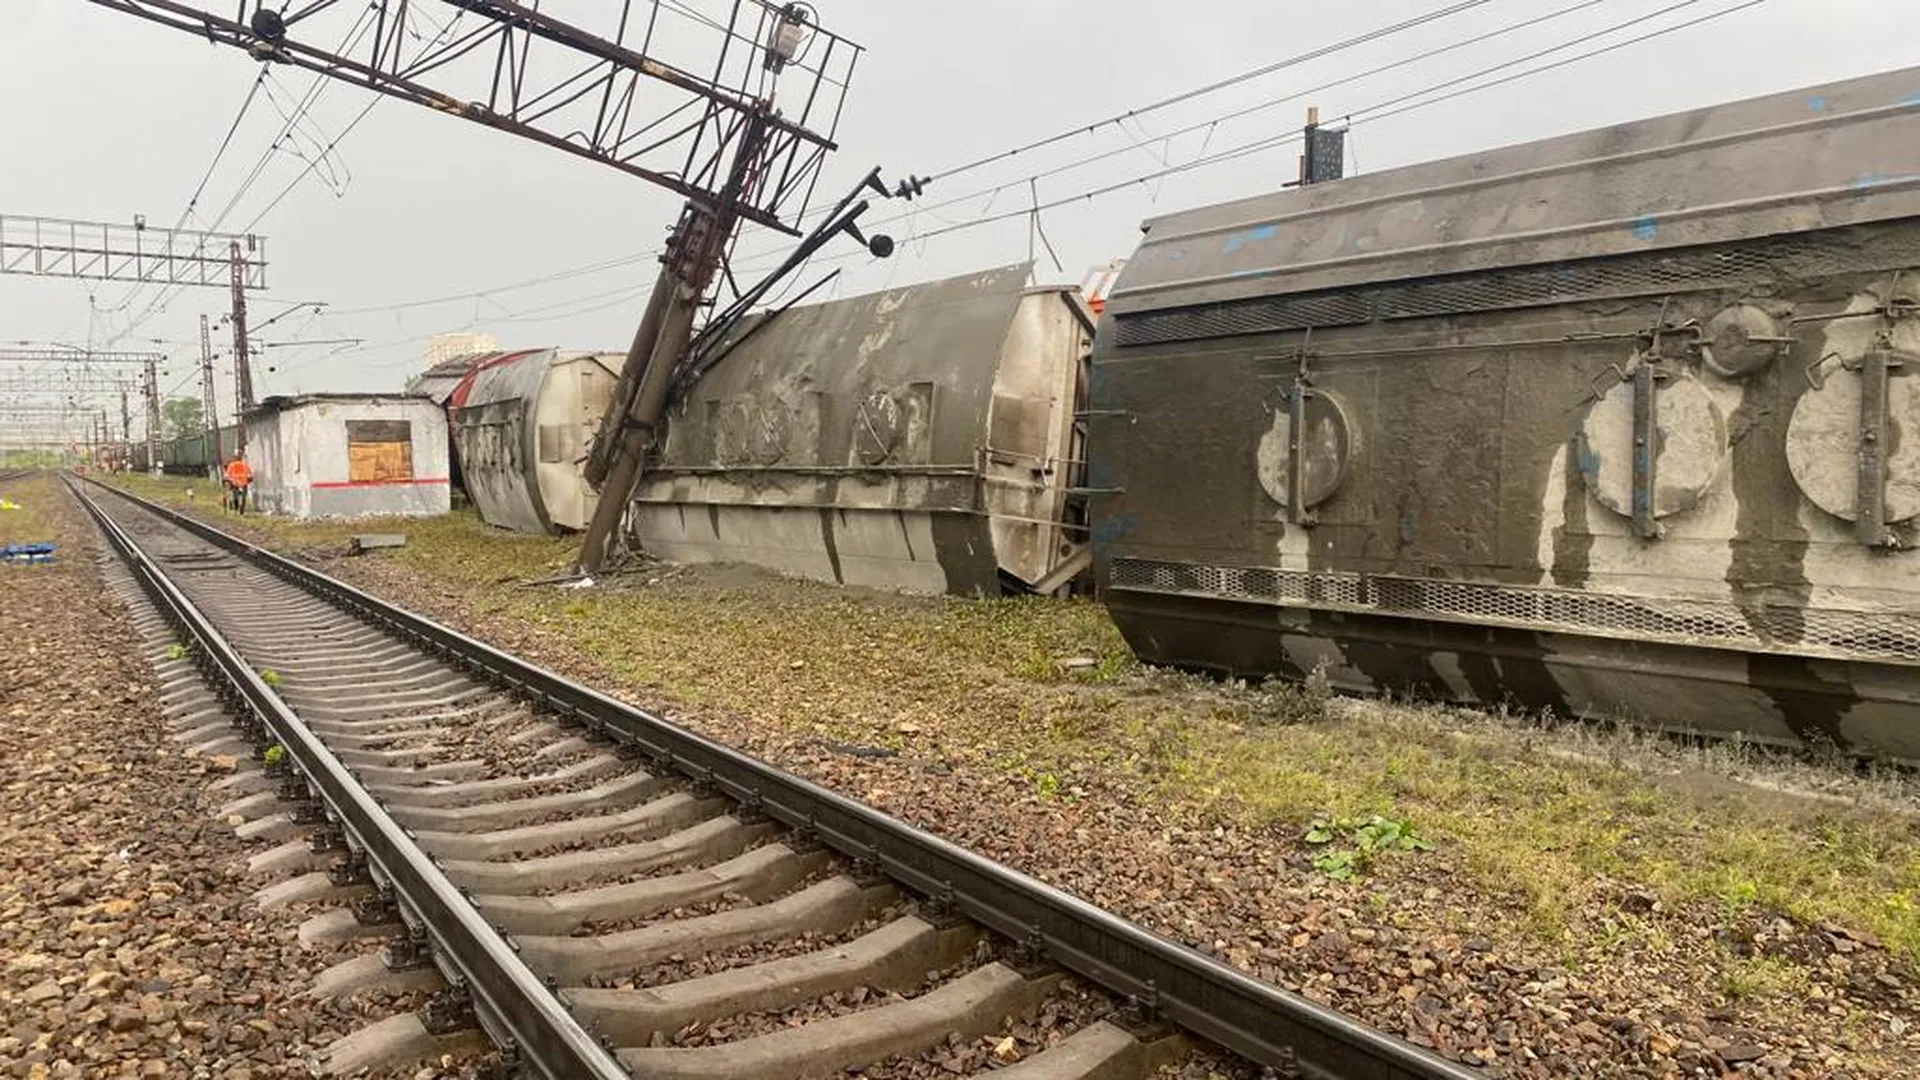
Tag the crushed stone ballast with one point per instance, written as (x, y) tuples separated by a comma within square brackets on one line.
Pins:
[(559, 856)]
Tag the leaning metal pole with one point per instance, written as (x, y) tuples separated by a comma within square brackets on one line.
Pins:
[(693, 254), (606, 447), (636, 430)]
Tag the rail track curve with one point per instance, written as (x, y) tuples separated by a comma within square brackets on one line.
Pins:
[(546, 847)]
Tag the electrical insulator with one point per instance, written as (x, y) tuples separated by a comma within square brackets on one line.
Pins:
[(784, 43)]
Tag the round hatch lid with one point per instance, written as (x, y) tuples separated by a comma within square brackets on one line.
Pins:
[(1742, 340), (1690, 442), (1823, 445), (1325, 447)]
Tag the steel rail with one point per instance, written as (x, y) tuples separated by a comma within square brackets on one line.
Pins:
[(1162, 978), (522, 1017)]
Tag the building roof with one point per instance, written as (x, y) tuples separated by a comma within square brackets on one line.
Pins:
[(284, 402), (456, 366)]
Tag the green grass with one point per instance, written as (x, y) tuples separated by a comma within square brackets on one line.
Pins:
[(457, 547), (1759, 978), (1549, 837), (37, 518)]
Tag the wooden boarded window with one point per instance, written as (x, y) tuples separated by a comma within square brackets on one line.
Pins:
[(379, 451)]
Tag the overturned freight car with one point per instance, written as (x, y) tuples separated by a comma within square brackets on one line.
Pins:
[(1625, 423), (922, 438), (520, 423)]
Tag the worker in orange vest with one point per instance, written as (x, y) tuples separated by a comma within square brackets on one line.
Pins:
[(239, 477)]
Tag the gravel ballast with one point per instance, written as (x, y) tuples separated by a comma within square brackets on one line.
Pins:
[(130, 942), (1409, 950)]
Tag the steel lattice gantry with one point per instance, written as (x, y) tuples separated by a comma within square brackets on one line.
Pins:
[(40, 424), (600, 93), (67, 378), (709, 132), (67, 381), (107, 251)]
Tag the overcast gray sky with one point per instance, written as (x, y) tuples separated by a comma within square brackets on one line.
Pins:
[(103, 115)]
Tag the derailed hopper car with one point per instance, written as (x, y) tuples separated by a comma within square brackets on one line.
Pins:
[(921, 438), (520, 422), (1625, 423)]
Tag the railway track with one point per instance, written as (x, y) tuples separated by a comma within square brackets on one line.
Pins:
[(606, 894)]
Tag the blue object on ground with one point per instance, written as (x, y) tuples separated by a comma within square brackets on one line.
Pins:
[(33, 553)]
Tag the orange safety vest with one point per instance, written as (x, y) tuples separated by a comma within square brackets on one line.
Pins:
[(239, 473)]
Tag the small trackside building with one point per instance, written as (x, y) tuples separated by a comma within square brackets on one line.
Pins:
[(349, 455)]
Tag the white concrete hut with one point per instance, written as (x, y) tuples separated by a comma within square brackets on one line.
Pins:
[(349, 455)]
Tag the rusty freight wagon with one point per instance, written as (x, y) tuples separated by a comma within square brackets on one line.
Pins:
[(1625, 423)]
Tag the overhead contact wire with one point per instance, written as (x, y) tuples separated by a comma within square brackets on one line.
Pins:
[(1201, 91)]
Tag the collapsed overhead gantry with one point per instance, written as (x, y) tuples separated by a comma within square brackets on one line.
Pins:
[(717, 139)]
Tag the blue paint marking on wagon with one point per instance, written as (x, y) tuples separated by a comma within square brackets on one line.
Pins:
[(1236, 241), (1646, 228), (1817, 104), (1114, 527), (1589, 461), (1870, 181)]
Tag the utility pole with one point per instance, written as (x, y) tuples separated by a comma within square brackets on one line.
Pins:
[(242, 371), (153, 418), (209, 412), (126, 420)]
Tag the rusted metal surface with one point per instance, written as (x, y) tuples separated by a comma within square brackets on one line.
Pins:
[(920, 438), (1609, 414)]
